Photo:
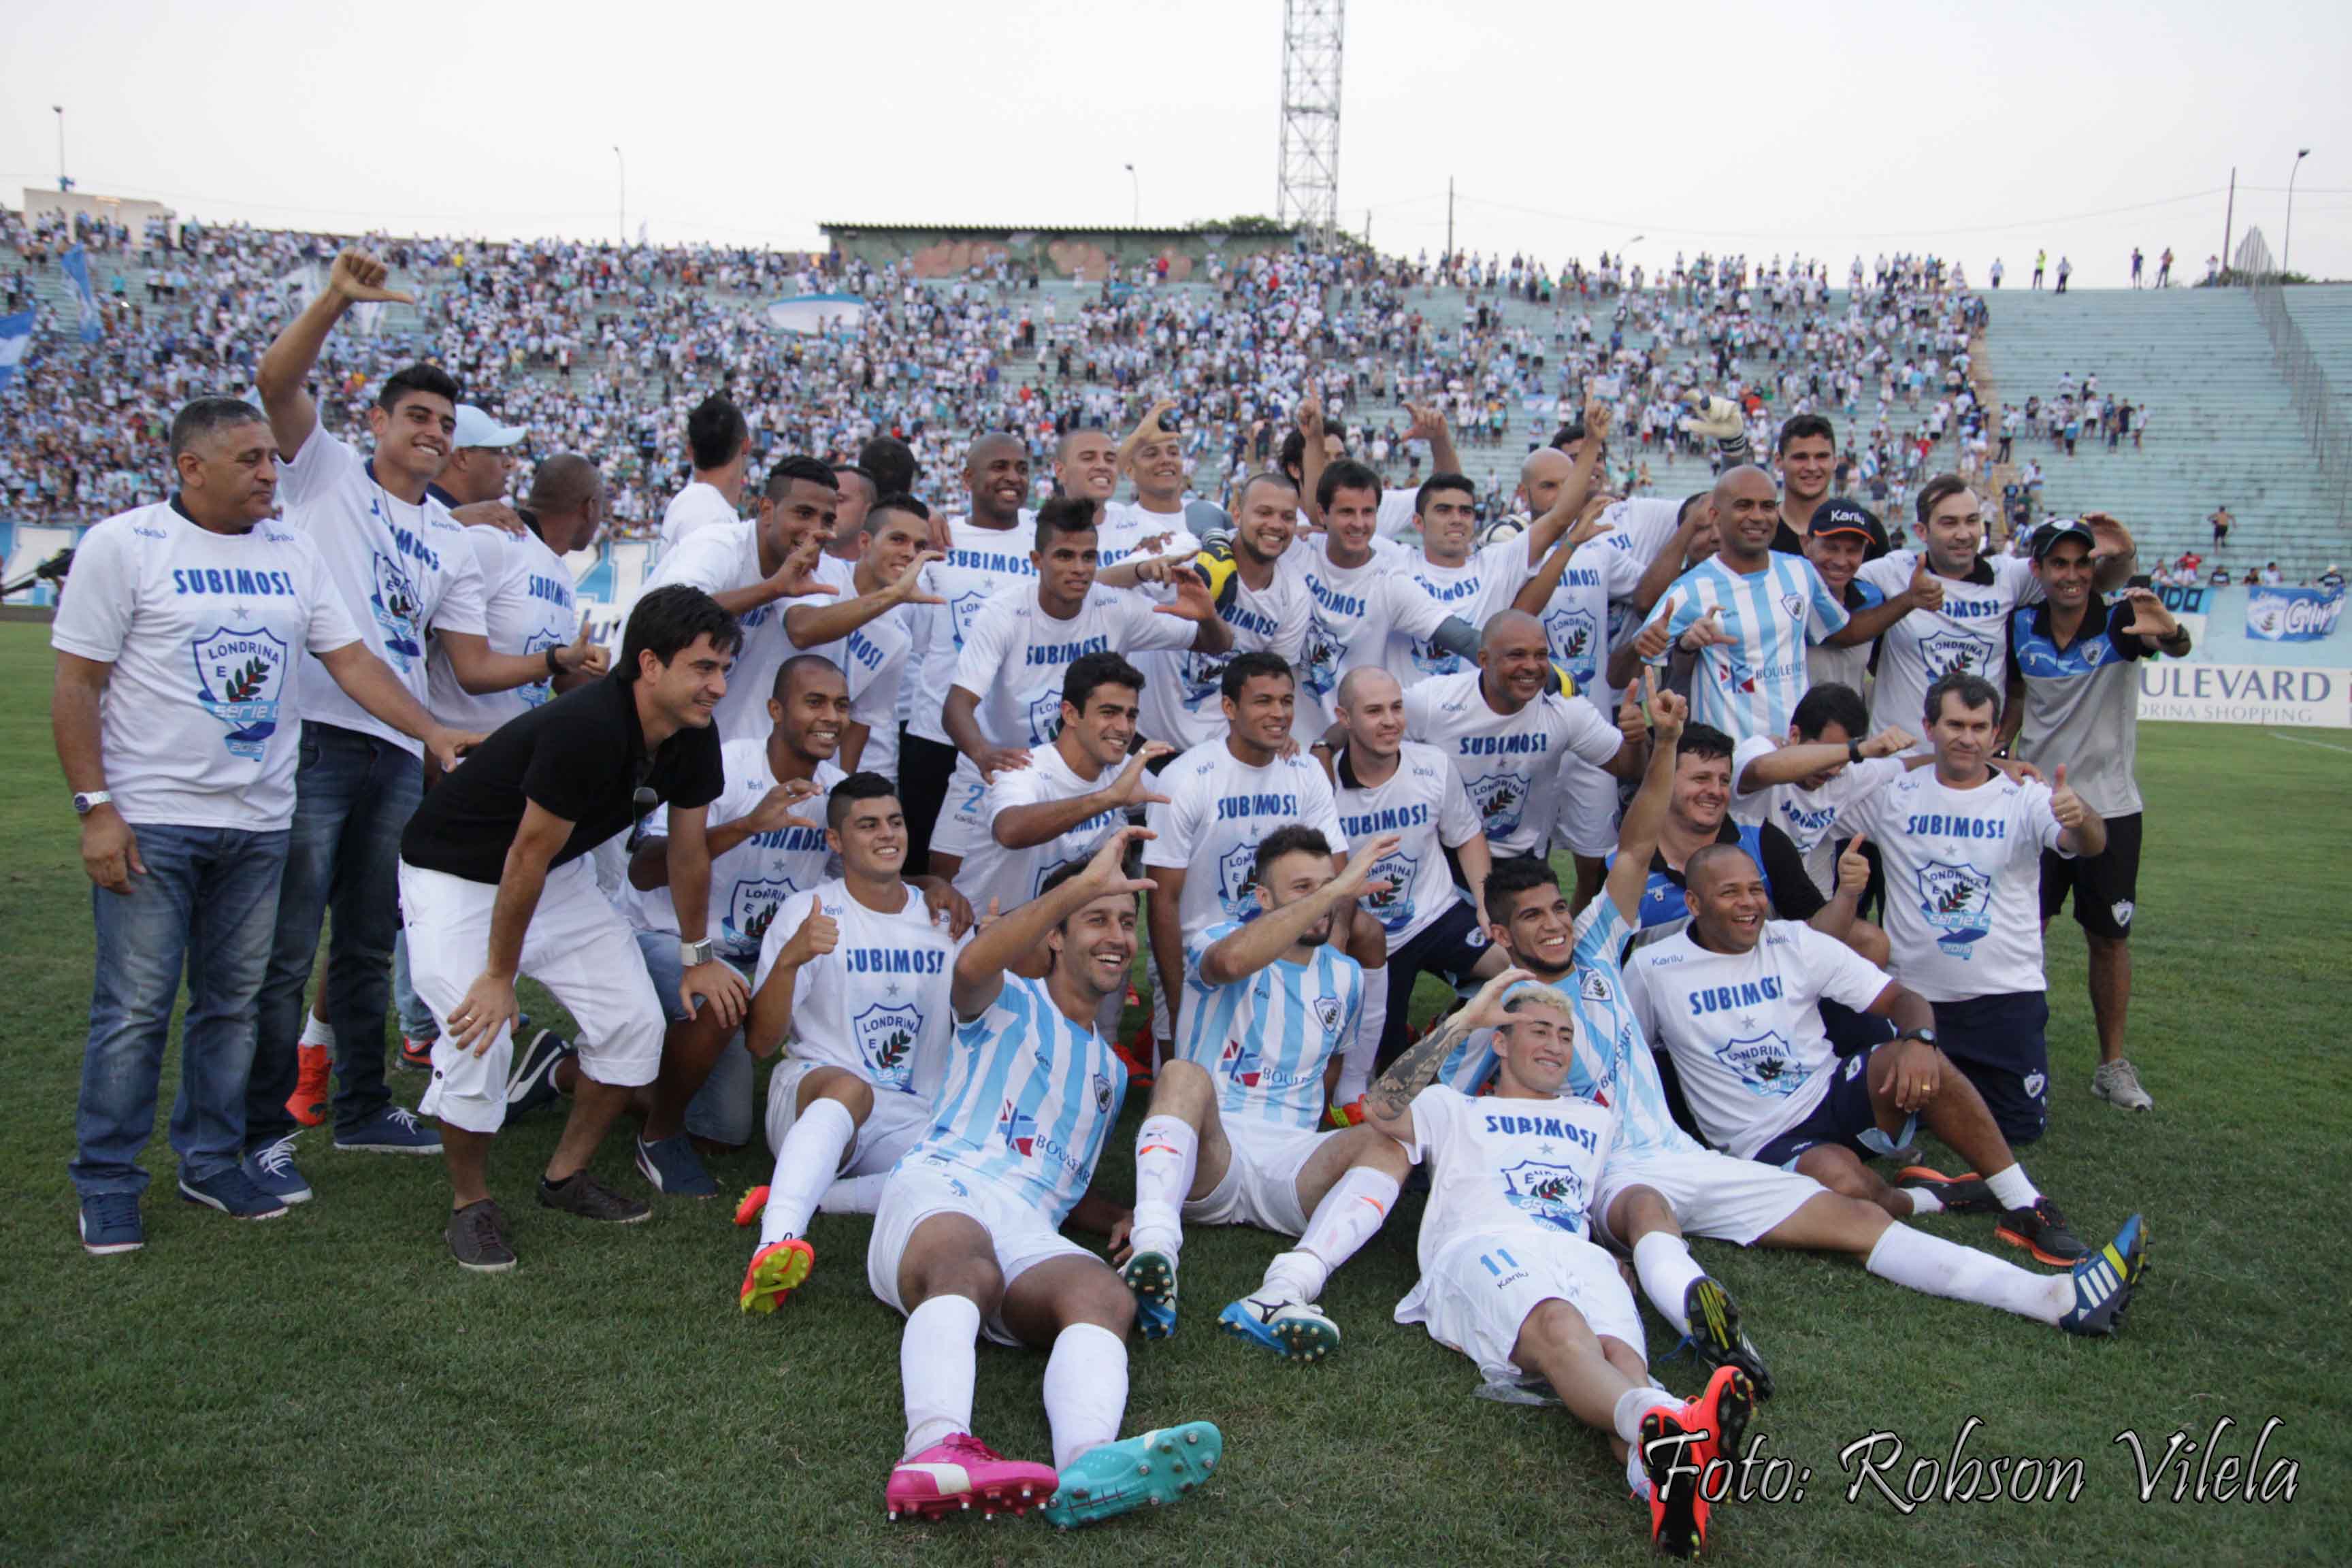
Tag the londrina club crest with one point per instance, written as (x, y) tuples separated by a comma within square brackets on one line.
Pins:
[(885, 1036), (240, 675)]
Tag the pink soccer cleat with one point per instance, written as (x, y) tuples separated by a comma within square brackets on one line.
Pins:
[(949, 1477)]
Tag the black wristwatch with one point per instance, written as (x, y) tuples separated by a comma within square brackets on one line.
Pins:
[(1926, 1036), (1853, 750), (554, 665)]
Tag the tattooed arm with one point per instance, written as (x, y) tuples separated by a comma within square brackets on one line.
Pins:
[(1388, 1105)]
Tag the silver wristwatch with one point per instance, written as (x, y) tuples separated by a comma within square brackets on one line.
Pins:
[(690, 953), (86, 801)]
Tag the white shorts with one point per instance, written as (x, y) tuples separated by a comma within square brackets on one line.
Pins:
[(577, 946), (1711, 1194), (1260, 1186), (1021, 1236), (897, 1123), (1478, 1294), (962, 824), (1587, 821)]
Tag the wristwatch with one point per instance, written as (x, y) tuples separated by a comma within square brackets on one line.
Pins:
[(690, 953), (86, 801), (1853, 750), (1925, 1037)]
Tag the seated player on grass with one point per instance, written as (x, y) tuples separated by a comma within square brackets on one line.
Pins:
[(1232, 1139), (968, 1233)]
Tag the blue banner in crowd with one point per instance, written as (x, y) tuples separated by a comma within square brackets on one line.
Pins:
[(16, 342), (77, 265), (2293, 615)]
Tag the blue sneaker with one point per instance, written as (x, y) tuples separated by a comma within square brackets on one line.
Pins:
[(1295, 1330), (2104, 1280), (232, 1192), (531, 1084), (1152, 1275), (109, 1223), (271, 1168), (673, 1167), (1148, 1471), (394, 1129)]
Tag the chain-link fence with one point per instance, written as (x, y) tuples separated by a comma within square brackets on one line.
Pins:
[(2314, 399)]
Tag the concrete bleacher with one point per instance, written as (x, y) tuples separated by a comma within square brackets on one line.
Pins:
[(2221, 427), (2324, 311)]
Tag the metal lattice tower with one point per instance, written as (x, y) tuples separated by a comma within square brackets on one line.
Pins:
[(1312, 34)]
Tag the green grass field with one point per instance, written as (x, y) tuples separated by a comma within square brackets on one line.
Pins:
[(329, 1387)]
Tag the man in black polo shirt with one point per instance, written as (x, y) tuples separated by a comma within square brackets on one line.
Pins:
[(495, 879)]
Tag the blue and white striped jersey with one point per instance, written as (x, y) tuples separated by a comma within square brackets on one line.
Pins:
[(1030, 1097), (1264, 1040), (1751, 685)]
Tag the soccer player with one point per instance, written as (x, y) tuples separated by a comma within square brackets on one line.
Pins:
[(1385, 783), (719, 445), (1312, 449), (1231, 1136), (969, 1235), (890, 540), (1734, 998), (1006, 699), (175, 727), (1839, 539), (2075, 700), (1758, 610), (1469, 585), (1157, 522), (495, 881), (1828, 760), (1508, 1276), (1806, 451), (1961, 844), (1264, 607), (857, 971)]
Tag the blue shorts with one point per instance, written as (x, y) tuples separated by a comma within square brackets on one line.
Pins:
[(2000, 1042), (1845, 1118), (1452, 945)]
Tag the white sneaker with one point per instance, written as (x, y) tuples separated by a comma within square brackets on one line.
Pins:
[(1295, 1330), (2117, 1083)]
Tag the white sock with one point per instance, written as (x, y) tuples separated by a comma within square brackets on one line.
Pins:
[(317, 1031), (936, 1367), (2012, 1189), (1924, 1200), (1085, 1390), (1167, 1154), (1665, 1267), (811, 1152), (1927, 1263), (1636, 1477), (1356, 1064), (1632, 1405), (854, 1195), (1355, 1207)]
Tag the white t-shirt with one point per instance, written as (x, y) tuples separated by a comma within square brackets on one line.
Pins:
[(878, 1005), (527, 605), (1963, 882), (981, 563), (1475, 591), (1509, 761), (1971, 632), (1425, 802), (197, 727), (1506, 1167), (1351, 613), (692, 509), (1641, 526), (1218, 808), (400, 570), (1809, 817), (872, 660), (1745, 1029), (1014, 876), (1122, 526), (750, 881), (1183, 690), (1016, 658), (1400, 509), (1576, 621), (719, 559)]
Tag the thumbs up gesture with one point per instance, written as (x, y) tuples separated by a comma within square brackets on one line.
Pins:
[(1852, 868), (818, 935), (583, 657), (1927, 589), (2065, 804)]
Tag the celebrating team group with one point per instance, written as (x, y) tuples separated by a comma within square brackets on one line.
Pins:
[(876, 782)]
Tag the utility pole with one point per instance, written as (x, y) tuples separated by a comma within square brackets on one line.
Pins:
[(63, 184), (2286, 246), (2228, 220)]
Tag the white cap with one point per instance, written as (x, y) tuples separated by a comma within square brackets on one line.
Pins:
[(476, 429)]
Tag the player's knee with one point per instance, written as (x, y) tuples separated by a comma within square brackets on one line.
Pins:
[(1639, 1212), (1558, 1329), (856, 1095), (1103, 1301), (1368, 942), (1378, 1152), (1183, 1090), (971, 1275), (1870, 941)]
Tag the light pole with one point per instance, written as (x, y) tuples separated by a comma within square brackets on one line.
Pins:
[(2286, 246), (59, 111), (1135, 187), (623, 164)]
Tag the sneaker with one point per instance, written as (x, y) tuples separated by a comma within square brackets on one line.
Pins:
[(1295, 1330), (1148, 1471), (777, 1270), (108, 1224), (1349, 1115), (754, 1204), (581, 1195), (531, 1084), (1967, 1192), (673, 1167), (2104, 1280), (308, 1103), (1716, 1336), (1677, 1448), (2117, 1083), (394, 1129), (2042, 1231), (415, 1055), (478, 1238), (271, 1168), (947, 1478), (1136, 1056), (1152, 1275), (232, 1192)]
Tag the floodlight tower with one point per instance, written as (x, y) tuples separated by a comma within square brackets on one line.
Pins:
[(1312, 33)]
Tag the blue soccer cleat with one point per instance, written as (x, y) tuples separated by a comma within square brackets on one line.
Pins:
[(2104, 1282), (1295, 1330), (1148, 1471), (1152, 1277)]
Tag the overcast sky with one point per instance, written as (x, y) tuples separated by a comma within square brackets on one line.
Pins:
[(1824, 129)]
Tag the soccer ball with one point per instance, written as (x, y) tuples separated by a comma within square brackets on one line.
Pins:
[(1502, 527)]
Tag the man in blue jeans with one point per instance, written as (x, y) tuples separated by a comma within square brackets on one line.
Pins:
[(176, 641)]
